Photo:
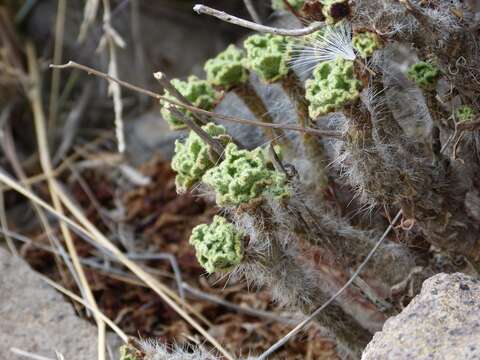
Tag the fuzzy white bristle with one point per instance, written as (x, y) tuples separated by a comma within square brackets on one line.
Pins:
[(335, 42)]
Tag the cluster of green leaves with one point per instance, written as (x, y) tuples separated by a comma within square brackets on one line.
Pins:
[(228, 68), (199, 92), (243, 176), (218, 245), (465, 113), (268, 55), (424, 74), (365, 43), (334, 85), (193, 157)]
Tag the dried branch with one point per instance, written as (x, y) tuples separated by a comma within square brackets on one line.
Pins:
[(214, 144), (167, 85), (325, 133), (202, 9)]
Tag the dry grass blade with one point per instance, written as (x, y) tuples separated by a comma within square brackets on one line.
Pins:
[(89, 14), (57, 57), (40, 129), (8, 146), (95, 310), (28, 355), (4, 224)]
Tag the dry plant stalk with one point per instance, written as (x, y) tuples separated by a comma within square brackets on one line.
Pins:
[(45, 161)]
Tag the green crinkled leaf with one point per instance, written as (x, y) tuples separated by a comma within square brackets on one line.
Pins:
[(218, 245), (465, 113), (199, 92), (424, 74), (243, 176), (127, 354), (334, 85), (193, 157), (227, 69), (365, 43), (268, 56)]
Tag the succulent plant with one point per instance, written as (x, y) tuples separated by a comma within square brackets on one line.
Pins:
[(424, 74), (365, 43), (333, 86), (268, 56), (280, 5), (218, 245), (199, 92), (227, 69), (244, 175), (465, 113), (193, 157)]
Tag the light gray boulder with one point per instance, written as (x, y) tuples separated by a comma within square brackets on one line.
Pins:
[(442, 322), (37, 319)]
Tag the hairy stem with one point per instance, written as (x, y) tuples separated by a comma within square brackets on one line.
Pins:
[(255, 104)]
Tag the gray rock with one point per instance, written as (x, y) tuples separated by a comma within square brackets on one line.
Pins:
[(149, 135), (442, 322), (35, 318)]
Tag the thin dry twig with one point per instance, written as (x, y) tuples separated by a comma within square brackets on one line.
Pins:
[(137, 270), (89, 70), (215, 144), (167, 85), (72, 123), (173, 263), (113, 272), (5, 114), (202, 9), (8, 146), (58, 170)]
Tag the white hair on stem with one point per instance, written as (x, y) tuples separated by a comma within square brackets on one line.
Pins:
[(329, 44)]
